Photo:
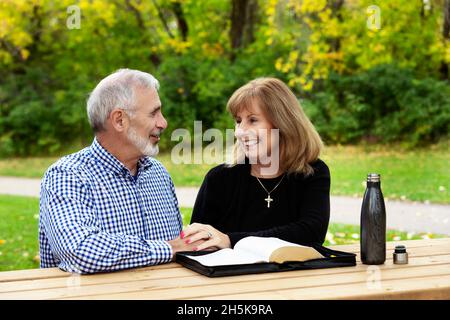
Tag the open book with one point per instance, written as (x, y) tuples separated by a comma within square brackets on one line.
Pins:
[(258, 249)]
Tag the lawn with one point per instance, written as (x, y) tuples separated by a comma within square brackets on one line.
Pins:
[(19, 228), (18, 232), (417, 175)]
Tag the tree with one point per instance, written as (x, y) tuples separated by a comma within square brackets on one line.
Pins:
[(446, 39), (244, 15), (202, 50)]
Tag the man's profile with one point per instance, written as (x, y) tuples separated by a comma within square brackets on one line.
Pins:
[(111, 206)]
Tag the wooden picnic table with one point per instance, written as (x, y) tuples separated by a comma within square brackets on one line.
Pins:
[(427, 276)]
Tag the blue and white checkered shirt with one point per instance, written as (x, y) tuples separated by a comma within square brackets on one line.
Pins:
[(96, 217)]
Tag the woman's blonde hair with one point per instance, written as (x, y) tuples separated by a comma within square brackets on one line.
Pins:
[(299, 142)]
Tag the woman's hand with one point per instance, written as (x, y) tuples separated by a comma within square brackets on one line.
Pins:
[(179, 244), (212, 237)]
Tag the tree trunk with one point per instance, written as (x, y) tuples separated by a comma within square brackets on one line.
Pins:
[(181, 20), (243, 19), (443, 70), (335, 5), (137, 14), (162, 19)]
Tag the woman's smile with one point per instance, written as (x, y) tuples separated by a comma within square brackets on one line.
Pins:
[(250, 143)]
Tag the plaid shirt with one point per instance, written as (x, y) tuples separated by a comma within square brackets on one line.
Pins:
[(96, 217)]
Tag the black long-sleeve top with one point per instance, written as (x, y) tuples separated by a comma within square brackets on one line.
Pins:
[(232, 201)]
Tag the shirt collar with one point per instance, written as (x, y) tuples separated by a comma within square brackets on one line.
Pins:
[(145, 163), (111, 163)]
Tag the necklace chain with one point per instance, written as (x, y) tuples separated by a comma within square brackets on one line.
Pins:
[(273, 188)]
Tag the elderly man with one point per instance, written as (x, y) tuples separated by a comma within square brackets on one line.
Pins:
[(111, 206)]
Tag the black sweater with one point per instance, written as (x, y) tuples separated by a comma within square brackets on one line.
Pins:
[(232, 201)]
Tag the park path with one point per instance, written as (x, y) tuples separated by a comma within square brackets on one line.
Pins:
[(401, 215)]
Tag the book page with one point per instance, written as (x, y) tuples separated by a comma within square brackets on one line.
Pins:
[(258, 249), (262, 247), (226, 257)]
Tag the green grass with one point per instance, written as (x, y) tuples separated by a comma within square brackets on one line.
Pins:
[(25, 167), (420, 175), (417, 175), (19, 247), (19, 232)]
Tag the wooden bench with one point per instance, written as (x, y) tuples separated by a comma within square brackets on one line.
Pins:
[(427, 276)]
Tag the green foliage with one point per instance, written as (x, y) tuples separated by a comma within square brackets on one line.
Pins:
[(356, 83), (385, 103)]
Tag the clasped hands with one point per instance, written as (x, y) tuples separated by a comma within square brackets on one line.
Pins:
[(197, 236)]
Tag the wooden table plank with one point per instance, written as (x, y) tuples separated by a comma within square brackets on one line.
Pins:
[(19, 275), (437, 246), (145, 273), (198, 286), (429, 288), (190, 288), (389, 289), (174, 270), (47, 273), (428, 258), (87, 280), (117, 278), (30, 274)]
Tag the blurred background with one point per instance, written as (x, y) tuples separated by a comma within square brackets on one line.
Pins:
[(373, 76)]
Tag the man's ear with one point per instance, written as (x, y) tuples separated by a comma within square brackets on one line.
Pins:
[(118, 119)]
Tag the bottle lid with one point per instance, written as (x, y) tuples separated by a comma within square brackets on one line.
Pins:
[(400, 255), (373, 177)]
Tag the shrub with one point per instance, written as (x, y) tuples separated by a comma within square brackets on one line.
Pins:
[(384, 104)]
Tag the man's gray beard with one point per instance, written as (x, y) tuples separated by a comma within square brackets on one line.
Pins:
[(142, 144)]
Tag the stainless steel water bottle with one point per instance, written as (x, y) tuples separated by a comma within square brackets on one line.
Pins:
[(373, 223)]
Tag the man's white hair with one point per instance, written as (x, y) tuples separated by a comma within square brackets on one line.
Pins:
[(116, 91)]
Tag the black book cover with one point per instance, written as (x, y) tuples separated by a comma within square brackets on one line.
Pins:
[(333, 259)]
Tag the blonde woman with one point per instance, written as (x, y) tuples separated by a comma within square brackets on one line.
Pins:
[(277, 186)]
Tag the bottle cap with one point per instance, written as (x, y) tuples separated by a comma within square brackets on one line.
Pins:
[(400, 255), (400, 249), (373, 177)]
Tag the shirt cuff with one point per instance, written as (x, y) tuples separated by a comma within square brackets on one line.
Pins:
[(169, 248), (161, 251)]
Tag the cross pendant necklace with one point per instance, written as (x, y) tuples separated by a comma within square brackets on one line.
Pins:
[(269, 199)]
